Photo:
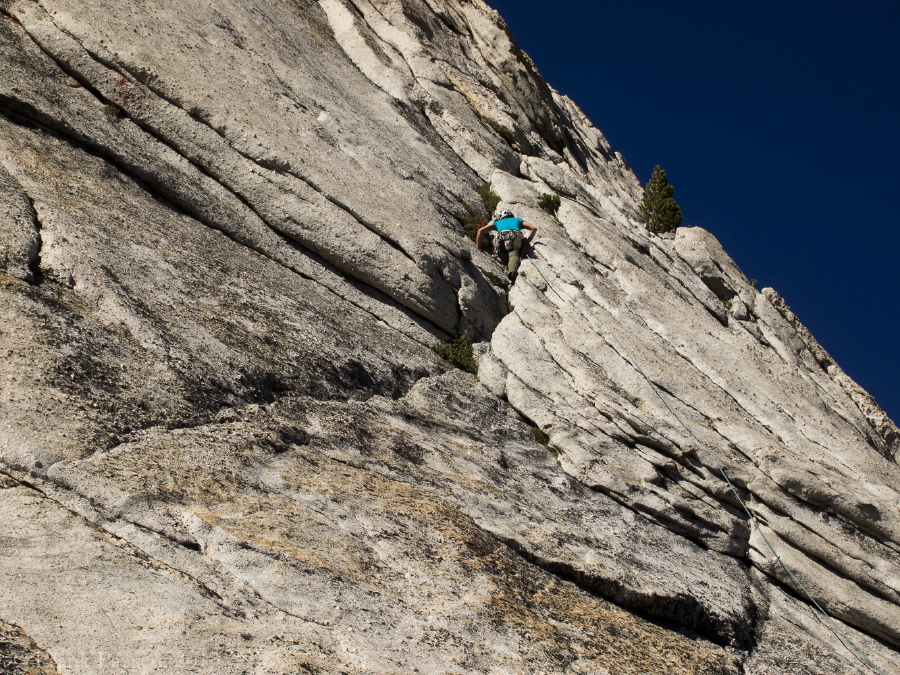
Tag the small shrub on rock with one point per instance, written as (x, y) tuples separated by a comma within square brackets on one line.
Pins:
[(494, 279), (488, 198), (550, 203), (473, 221), (458, 352), (540, 436)]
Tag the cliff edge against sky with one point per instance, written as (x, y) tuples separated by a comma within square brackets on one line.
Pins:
[(230, 239)]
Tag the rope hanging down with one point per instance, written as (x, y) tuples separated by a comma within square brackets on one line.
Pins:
[(715, 459)]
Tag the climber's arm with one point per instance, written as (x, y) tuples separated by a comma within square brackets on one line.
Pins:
[(481, 232), (532, 232)]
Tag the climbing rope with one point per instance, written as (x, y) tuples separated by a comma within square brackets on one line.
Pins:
[(715, 459)]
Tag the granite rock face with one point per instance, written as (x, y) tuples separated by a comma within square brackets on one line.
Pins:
[(230, 235)]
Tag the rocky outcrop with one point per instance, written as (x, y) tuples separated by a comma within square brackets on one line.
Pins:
[(230, 237)]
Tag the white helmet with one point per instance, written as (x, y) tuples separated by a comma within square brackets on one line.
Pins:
[(505, 213)]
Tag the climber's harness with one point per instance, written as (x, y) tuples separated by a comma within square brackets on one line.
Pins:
[(510, 239)]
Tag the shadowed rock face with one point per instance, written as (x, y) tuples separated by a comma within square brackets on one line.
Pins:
[(229, 237)]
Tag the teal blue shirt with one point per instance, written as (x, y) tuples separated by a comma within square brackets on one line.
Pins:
[(508, 224)]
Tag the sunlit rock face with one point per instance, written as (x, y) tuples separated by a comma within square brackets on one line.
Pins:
[(230, 237)]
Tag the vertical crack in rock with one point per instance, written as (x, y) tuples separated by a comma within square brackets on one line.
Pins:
[(34, 260), (21, 242)]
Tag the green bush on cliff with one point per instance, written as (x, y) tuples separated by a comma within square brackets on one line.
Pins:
[(550, 203), (473, 221), (458, 352), (489, 198)]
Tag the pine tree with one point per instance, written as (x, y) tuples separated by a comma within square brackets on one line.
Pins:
[(660, 211)]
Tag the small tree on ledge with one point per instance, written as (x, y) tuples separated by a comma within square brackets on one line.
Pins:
[(660, 211)]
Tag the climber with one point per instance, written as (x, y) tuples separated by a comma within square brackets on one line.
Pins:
[(508, 240)]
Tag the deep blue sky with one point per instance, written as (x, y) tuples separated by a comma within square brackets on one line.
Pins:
[(778, 123)]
